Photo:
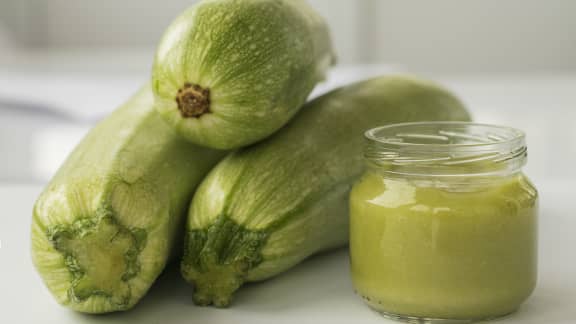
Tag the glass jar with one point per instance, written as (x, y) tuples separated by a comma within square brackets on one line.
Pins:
[(443, 224)]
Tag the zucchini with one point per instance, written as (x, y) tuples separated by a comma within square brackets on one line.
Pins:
[(265, 208), (228, 73), (103, 228)]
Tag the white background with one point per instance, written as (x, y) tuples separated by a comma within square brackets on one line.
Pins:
[(455, 36)]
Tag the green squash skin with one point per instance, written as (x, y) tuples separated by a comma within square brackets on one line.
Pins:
[(104, 227), (259, 59), (265, 208)]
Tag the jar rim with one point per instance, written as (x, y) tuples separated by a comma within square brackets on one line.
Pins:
[(446, 148), (515, 135)]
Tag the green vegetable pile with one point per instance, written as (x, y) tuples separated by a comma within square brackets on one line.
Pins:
[(221, 153)]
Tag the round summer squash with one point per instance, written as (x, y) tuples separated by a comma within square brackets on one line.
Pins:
[(104, 227), (267, 207), (229, 73)]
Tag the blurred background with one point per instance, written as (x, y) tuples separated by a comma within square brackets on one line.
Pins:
[(65, 64)]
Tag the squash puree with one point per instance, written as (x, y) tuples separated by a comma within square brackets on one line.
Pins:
[(437, 252)]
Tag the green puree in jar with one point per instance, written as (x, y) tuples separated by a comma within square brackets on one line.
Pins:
[(434, 251)]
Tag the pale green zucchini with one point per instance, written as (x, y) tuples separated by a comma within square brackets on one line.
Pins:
[(104, 227), (229, 73), (265, 208)]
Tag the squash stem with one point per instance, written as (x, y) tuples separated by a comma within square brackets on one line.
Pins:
[(215, 286), (193, 100), (101, 256), (218, 258)]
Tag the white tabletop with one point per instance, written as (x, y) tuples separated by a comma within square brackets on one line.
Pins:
[(317, 291)]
